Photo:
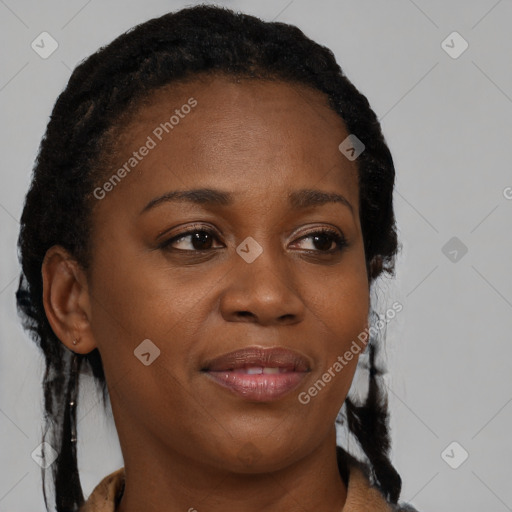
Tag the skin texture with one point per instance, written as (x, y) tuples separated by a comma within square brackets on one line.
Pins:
[(187, 442)]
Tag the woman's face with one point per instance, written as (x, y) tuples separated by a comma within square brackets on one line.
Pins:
[(254, 275)]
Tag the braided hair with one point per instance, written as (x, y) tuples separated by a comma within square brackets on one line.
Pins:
[(104, 89)]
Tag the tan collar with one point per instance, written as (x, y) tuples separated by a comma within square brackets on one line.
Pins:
[(361, 496), (103, 497)]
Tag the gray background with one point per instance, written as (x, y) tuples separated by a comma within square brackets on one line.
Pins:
[(447, 122)]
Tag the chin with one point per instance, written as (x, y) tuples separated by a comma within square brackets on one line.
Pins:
[(253, 456)]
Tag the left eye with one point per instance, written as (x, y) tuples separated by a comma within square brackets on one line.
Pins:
[(325, 238)]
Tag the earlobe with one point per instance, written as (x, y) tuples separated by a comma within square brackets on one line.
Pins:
[(66, 300)]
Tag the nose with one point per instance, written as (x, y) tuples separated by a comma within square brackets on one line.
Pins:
[(262, 292)]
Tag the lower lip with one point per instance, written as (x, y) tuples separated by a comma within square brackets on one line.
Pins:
[(258, 387)]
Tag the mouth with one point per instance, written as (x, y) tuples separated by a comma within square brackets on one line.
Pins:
[(258, 374)]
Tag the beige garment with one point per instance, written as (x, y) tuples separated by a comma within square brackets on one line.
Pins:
[(361, 496)]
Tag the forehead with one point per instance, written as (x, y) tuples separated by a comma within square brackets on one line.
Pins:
[(243, 133)]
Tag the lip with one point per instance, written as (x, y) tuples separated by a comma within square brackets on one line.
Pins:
[(230, 371)]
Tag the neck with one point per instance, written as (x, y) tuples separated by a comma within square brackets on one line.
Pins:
[(156, 480)]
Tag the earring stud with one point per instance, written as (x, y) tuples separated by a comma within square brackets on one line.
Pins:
[(75, 342)]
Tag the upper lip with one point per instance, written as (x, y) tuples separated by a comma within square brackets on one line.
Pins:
[(258, 356)]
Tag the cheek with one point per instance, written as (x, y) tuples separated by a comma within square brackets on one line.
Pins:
[(341, 309), (130, 308), (340, 302), (342, 316), (133, 301)]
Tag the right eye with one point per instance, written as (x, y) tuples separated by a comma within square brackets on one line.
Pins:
[(199, 238)]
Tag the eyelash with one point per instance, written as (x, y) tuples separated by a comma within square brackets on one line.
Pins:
[(340, 240)]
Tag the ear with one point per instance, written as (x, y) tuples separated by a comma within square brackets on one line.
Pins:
[(66, 300)]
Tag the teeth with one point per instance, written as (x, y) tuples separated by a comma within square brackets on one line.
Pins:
[(254, 371), (259, 370)]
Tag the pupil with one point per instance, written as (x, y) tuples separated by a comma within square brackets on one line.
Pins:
[(200, 238), (325, 238)]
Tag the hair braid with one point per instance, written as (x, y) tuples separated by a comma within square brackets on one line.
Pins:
[(369, 423)]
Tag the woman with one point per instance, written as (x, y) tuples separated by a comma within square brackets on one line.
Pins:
[(210, 206)]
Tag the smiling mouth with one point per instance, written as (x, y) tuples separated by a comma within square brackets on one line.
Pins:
[(259, 374)]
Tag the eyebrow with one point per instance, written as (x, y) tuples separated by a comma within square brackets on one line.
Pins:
[(299, 199)]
